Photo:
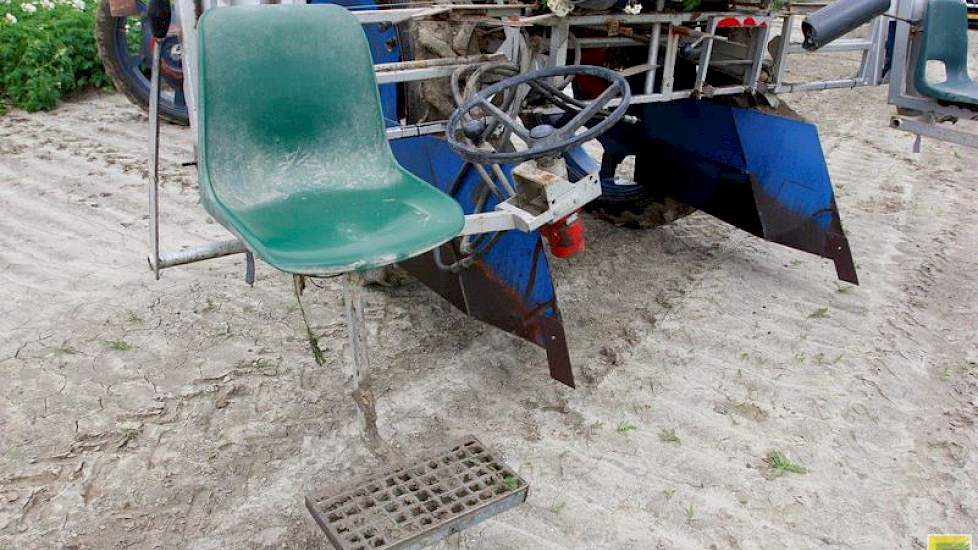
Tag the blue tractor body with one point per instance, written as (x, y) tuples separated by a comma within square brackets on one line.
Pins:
[(765, 174)]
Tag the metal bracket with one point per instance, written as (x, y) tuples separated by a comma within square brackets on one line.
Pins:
[(933, 130)]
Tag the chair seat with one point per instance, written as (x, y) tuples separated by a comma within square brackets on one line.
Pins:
[(294, 158), (958, 91), (335, 231), (944, 38)]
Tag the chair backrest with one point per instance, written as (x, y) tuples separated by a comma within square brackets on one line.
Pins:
[(945, 38), (288, 104)]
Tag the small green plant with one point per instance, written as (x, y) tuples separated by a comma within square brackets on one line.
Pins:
[(118, 344), (511, 483), (625, 426), (668, 493), (820, 313), (669, 436), (134, 317), (558, 507), (778, 464), (690, 514), (47, 50)]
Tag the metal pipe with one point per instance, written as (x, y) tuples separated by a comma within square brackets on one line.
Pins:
[(839, 18), (154, 162), (653, 58), (201, 252), (439, 62)]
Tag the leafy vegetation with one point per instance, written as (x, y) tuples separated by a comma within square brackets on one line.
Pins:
[(669, 436), (47, 50), (511, 483), (625, 426), (118, 344), (778, 464)]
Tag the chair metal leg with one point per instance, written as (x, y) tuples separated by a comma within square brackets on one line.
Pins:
[(362, 393), (358, 337)]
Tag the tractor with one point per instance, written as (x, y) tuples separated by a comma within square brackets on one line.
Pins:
[(462, 142)]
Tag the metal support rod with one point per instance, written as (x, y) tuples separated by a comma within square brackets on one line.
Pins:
[(653, 57), (703, 67), (756, 52), (929, 129), (358, 341), (781, 56), (669, 65), (154, 162), (200, 252)]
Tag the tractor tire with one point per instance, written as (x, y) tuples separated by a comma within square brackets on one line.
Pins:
[(134, 84)]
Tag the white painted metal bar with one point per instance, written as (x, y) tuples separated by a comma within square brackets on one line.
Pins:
[(820, 85), (841, 45), (559, 36), (752, 77), (653, 57), (669, 64), (703, 67), (781, 55), (934, 131)]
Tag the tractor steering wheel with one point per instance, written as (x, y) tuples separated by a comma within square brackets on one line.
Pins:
[(472, 123)]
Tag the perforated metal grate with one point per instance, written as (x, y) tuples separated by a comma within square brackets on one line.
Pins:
[(418, 503)]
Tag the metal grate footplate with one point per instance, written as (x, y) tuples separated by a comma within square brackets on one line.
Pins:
[(418, 503)]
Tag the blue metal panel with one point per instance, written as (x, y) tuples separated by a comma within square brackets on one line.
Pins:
[(762, 173), (511, 286)]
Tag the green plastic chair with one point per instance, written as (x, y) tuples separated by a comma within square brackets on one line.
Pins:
[(945, 38), (293, 155)]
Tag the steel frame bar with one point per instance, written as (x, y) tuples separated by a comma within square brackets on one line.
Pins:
[(153, 186), (932, 130)]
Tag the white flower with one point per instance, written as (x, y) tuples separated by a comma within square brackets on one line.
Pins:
[(47, 4), (79, 4), (10, 18), (633, 8), (28, 8)]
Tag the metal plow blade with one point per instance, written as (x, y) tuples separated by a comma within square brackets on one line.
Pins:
[(763, 173)]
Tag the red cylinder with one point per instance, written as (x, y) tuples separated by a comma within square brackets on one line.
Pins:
[(566, 236)]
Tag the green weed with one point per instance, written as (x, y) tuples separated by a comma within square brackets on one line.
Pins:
[(625, 426), (669, 436), (118, 344), (820, 313), (778, 464)]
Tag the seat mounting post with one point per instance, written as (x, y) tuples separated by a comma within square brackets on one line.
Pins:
[(154, 162), (360, 377)]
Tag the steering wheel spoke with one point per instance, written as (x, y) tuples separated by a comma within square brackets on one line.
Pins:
[(542, 140), (513, 124), (592, 108)]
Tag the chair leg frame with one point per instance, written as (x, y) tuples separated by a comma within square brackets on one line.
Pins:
[(358, 340)]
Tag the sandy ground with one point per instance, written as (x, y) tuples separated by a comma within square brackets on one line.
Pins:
[(189, 413)]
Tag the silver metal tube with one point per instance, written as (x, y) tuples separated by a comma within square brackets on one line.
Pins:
[(653, 58), (201, 252), (154, 162), (669, 65), (703, 67), (439, 62)]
